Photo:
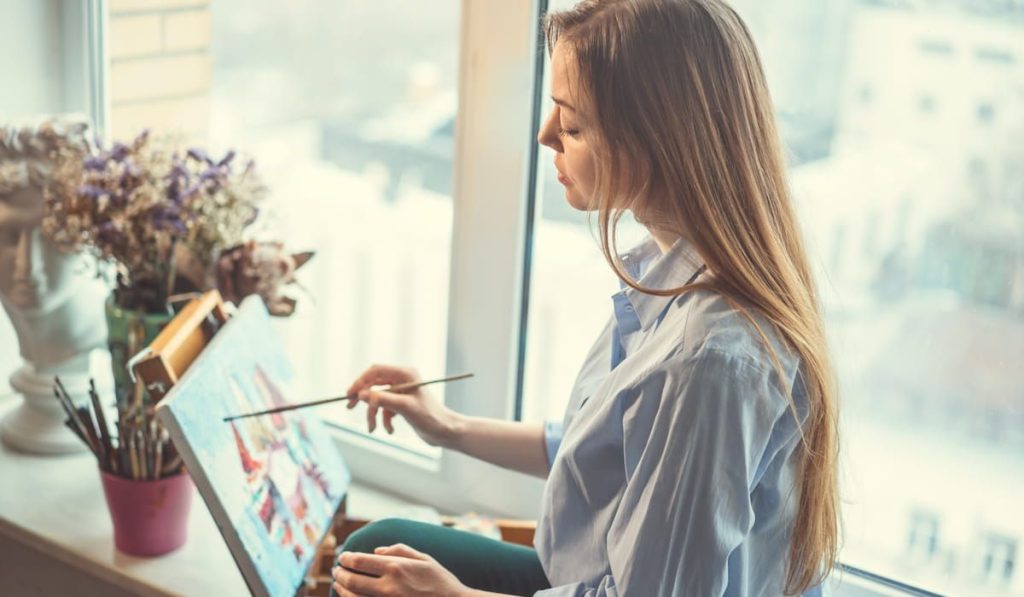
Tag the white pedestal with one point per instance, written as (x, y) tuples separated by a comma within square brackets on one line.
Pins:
[(37, 424)]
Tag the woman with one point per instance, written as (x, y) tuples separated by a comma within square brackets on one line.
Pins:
[(698, 452)]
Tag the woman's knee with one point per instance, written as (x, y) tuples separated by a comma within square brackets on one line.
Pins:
[(376, 534)]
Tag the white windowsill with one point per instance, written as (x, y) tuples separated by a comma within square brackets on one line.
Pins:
[(56, 534)]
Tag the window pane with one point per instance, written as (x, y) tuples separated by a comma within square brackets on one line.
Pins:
[(570, 285), (34, 90), (348, 108), (903, 127)]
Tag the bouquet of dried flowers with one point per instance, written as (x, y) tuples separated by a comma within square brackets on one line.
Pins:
[(168, 222)]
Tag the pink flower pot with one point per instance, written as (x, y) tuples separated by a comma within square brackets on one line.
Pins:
[(150, 517)]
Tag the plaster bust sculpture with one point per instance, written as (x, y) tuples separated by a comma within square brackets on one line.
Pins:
[(54, 300)]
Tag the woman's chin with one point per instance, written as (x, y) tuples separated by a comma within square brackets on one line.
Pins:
[(575, 200)]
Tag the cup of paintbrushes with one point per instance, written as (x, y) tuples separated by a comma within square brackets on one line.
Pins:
[(148, 492), (150, 517)]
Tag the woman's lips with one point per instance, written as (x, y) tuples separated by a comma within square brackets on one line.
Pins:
[(563, 179)]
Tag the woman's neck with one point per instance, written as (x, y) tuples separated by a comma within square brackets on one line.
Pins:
[(663, 238)]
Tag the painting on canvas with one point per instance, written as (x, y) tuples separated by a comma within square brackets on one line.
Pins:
[(272, 483)]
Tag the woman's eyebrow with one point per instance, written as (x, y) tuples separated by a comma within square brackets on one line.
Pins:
[(563, 103)]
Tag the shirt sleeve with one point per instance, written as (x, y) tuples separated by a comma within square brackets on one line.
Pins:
[(694, 434), (553, 432)]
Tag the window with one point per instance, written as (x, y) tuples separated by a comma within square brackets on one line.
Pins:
[(353, 135), (350, 109), (923, 539), (936, 47), (54, 70), (986, 113), (999, 560), (920, 270), (995, 56), (357, 128), (926, 104), (866, 94), (570, 285)]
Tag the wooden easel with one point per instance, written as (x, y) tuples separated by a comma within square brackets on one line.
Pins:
[(161, 364)]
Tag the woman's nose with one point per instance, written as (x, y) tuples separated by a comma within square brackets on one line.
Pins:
[(548, 134)]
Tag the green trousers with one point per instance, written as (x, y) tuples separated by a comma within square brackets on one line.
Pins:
[(479, 562)]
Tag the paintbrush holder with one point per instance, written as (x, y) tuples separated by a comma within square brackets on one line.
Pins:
[(150, 517)]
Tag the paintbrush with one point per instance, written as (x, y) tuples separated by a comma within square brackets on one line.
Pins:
[(85, 429), (398, 388)]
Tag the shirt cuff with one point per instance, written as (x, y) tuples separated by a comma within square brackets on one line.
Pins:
[(552, 439)]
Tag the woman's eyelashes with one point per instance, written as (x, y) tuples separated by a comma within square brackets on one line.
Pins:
[(571, 132)]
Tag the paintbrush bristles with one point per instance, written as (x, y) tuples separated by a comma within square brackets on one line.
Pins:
[(141, 449)]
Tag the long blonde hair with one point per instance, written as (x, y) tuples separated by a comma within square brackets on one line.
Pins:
[(684, 137)]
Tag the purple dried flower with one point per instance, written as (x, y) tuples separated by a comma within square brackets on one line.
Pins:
[(199, 155), (91, 191), (210, 174), (206, 206), (191, 191), (94, 163), (118, 152), (178, 171), (174, 193), (140, 140), (107, 233), (167, 217)]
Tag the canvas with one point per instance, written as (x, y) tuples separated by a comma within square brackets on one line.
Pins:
[(272, 483)]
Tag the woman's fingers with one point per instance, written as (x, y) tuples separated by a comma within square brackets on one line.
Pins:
[(402, 550), (381, 374), (343, 592), (377, 375), (378, 400), (363, 562), (391, 404), (356, 582), (368, 378), (372, 403)]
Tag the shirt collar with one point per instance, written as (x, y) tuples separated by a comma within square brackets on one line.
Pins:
[(652, 269)]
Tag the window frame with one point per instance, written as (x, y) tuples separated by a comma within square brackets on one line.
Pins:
[(495, 163), (84, 57)]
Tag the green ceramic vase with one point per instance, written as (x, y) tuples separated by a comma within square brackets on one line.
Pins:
[(128, 333)]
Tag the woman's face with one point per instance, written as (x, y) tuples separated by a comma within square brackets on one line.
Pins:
[(565, 132)]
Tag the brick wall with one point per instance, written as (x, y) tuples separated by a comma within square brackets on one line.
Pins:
[(160, 67)]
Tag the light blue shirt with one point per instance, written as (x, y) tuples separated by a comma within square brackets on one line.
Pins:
[(674, 470)]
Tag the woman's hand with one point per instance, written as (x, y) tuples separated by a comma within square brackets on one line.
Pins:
[(395, 570), (431, 420)]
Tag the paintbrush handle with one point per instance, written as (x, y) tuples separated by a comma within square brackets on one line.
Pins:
[(398, 388)]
